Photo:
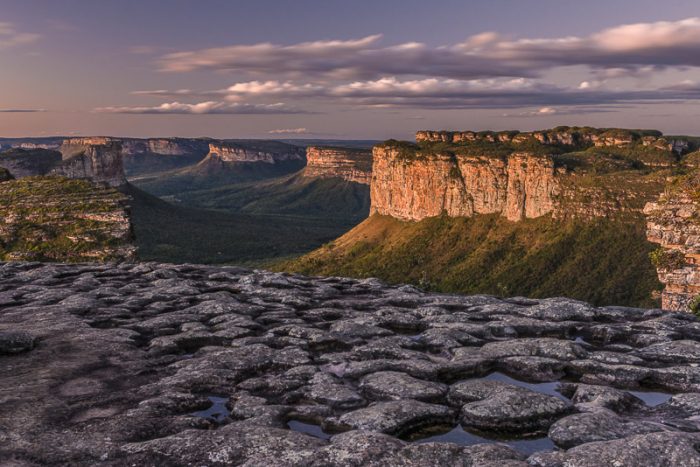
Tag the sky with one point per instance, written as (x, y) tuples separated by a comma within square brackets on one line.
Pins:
[(345, 70)]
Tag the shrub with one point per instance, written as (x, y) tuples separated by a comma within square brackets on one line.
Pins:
[(667, 259), (694, 306)]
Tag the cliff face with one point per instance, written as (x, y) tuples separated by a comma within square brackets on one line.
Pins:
[(96, 159), (349, 164), (519, 186), (672, 222), (236, 153)]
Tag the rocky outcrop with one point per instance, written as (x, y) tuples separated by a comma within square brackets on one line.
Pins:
[(353, 165), (150, 364), (564, 136), (239, 153), (58, 219), (672, 222), (519, 186), (97, 159)]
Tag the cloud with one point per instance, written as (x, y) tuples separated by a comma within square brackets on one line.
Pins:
[(445, 93), (359, 58), (551, 111), (206, 108), (21, 110), (619, 50), (10, 37), (289, 131)]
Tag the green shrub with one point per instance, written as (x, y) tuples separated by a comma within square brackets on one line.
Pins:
[(667, 259), (694, 306)]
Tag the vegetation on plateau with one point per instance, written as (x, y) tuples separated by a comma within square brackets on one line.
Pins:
[(600, 261)]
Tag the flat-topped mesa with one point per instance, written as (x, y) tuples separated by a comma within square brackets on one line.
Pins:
[(353, 165), (98, 159), (234, 152), (672, 222), (417, 186), (563, 136)]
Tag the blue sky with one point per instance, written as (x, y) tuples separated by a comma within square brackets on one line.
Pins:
[(341, 69)]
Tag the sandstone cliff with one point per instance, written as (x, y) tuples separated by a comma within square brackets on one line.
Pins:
[(354, 165), (519, 186), (672, 222), (96, 159), (237, 153)]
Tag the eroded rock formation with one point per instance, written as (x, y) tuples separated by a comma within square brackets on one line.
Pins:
[(354, 165), (673, 222), (148, 364), (237, 153), (97, 159), (519, 186)]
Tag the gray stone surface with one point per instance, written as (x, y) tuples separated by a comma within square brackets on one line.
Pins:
[(151, 364)]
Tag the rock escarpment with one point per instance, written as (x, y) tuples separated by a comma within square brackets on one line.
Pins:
[(519, 186), (96, 159), (568, 173), (148, 364), (353, 165), (239, 153), (58, 219), (673, 222)]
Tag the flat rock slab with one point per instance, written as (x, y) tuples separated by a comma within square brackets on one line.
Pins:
[(396, 417), (395, 385), (180, 365), (502, 407)]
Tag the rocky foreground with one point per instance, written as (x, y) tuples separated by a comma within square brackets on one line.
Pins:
[(149, 364)]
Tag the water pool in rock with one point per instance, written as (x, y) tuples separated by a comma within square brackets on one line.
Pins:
[(217, 411)]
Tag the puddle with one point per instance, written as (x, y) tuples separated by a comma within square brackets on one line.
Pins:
[(308, 428), (217, 412), (650, 398), (458, 436), (549, 388)]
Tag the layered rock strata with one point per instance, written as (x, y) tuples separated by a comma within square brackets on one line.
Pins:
[(239, 153), (519, 186), (353, 165), (673, 223), (149, 364), (96, 159)]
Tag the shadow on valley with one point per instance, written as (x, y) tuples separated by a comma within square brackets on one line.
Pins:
[(178, 234)]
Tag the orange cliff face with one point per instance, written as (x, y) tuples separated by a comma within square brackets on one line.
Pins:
[(519, 186), (353, 165), (231, 152), (672, 223)]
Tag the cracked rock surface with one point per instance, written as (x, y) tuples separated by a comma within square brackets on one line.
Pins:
[(162, 365)]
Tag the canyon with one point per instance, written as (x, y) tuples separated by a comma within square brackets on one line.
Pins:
[(558, 193)]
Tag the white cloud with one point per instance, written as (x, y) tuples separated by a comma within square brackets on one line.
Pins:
[(289, 131), (10, 37), (620, 50), (203, 108)]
